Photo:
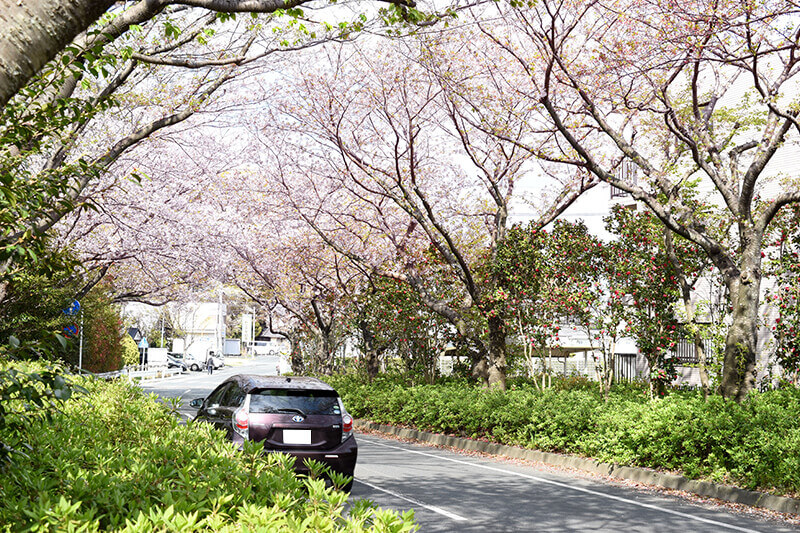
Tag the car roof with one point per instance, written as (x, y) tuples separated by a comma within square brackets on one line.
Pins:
[(250, 382)]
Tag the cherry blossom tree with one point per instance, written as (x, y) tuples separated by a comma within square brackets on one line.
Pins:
[(36, 32), (684, 92), (154, 240), (139, 69), (302, 288), (382, 155), (379, 188)]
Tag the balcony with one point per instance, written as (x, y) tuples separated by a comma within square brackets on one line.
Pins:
[(627, 172)]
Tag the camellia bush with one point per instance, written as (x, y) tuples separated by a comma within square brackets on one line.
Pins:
[(754, 444), (104, 335), (116, 459), (784, 296)]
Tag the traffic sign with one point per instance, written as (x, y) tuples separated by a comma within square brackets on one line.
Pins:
[(73, 309), (71, 330)]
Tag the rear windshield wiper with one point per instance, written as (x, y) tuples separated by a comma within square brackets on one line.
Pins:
[(293, 410)]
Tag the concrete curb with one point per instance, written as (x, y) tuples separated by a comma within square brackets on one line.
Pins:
[(708, 489)]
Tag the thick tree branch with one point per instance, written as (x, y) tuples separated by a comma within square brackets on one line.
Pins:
[(35, 32), (774, 207)]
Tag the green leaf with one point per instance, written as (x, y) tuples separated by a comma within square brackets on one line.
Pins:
[(61, 340)]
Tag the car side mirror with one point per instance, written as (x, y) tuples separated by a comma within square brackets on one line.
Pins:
[(197, 403)]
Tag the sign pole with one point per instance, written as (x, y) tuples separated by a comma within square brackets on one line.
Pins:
[(80, 345), (71, 330)]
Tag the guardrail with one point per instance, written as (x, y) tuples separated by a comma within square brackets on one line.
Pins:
[(138, 372)]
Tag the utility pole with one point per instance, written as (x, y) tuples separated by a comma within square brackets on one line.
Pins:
[(220, 327)]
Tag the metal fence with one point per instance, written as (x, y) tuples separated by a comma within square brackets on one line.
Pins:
[(625, 366), (686, 352)]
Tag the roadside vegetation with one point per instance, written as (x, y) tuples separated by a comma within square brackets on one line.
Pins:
[(112, 458), (753, 444)]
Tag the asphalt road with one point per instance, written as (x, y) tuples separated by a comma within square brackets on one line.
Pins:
[(463, 493), (457, 492)]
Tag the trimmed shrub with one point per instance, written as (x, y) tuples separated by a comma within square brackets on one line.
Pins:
[(117, 459), (130, 352), (755, 444)]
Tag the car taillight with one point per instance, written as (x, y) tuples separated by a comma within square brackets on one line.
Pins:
[(347, 426), (241, 423)]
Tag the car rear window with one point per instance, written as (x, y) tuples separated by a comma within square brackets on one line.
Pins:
[(307, 402)]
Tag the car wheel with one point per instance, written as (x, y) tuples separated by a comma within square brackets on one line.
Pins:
[(195, 368)]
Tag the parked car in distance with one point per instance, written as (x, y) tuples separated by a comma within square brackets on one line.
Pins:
[(194, 363), (176, 362), (301, 416)]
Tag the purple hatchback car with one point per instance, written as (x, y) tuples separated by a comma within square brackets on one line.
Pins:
[(300, 416)]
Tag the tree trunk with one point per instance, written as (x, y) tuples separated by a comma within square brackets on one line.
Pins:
[(4, 267), (497, 353), (325, 354), (34, 32), (739, 370), (610, 358), (480, 366), (297, 357), (691, 318), (701, 364), (370, 351)]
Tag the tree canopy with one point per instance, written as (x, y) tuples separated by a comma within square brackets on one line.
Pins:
[(167, 144)]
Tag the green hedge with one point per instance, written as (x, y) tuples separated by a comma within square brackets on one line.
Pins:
[(117, 459), (755, 444)]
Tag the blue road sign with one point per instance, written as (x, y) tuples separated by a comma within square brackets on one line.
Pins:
[(73, 309), (71, 331)]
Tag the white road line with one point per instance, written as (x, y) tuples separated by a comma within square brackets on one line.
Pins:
[(416, 503), (566, 486)]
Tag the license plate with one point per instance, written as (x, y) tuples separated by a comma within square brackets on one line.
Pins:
[(297, 436)]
